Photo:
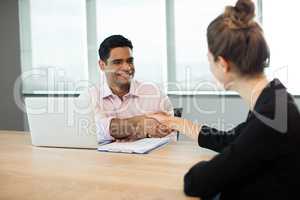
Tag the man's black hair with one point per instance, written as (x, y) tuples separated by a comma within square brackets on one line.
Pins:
[(110, 43)]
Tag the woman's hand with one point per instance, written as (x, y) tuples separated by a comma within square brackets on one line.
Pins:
[(164, 119), (184, 126)]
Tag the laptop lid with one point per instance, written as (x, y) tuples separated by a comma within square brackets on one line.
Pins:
[(61, 122)]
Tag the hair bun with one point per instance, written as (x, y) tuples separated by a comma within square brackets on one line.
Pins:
[(240, 16)]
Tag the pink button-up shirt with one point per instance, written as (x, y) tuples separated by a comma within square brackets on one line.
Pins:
[(142, 98)]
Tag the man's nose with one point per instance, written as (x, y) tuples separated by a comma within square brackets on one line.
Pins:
[(127, 66)]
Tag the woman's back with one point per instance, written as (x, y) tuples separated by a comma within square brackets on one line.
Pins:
[(260, 160)]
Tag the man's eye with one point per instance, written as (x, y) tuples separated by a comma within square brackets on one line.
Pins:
[(130, 61), (117, 62)]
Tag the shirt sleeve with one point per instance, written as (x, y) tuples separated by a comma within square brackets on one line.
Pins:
[(102, 128), (216, 140), (101, 120), (238, 162)]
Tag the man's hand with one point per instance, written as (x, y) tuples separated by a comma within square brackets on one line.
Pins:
[(150, 127), (139, 127)]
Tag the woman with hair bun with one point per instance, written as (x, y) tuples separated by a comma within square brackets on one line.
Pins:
[(258, 159)]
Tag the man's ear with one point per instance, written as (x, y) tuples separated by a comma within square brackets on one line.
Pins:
[(101, 64), (224, 64)]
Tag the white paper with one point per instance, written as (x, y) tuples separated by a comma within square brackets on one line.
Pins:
[(140, 146)]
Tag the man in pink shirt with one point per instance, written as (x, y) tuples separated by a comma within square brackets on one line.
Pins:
[(121, 104)]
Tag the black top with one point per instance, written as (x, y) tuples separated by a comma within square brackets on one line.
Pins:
[(258, 159)]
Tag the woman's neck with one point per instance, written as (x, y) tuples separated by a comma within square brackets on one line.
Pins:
[(250, 88)]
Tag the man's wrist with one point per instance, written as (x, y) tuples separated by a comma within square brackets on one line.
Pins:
[(119, 128), (138, 124)]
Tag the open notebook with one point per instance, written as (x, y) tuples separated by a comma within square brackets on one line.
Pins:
[(140, 146)]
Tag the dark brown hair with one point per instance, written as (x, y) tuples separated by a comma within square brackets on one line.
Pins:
[(236, 37), (111, 42)]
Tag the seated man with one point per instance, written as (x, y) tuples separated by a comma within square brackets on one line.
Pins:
[(121, 103)]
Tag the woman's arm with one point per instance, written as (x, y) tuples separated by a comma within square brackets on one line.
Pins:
[(237, 164), (217, 140), (184, 126), (207, 137)]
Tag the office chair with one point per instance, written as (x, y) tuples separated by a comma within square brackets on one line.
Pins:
[(178, 113)]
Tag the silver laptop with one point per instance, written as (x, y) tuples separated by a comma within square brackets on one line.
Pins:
[(61, 122)]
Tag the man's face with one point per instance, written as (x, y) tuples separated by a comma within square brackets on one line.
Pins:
[(119, 67)]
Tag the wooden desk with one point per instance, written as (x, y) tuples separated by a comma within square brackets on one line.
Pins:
[(28, 172)]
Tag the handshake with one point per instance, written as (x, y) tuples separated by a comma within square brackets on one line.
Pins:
[(144, 126)]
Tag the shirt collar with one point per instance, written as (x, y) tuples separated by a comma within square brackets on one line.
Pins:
[(267, 97), (133, 88), (268, 93), (105, 91)]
